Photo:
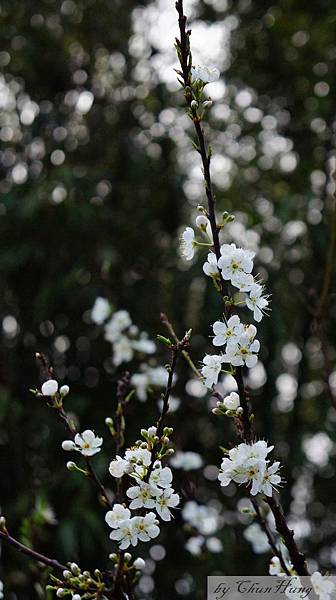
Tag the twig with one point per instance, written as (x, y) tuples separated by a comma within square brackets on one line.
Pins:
[(269, 535), (49, 562)]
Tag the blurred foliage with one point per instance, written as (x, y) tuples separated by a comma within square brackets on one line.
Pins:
[(92, 199)]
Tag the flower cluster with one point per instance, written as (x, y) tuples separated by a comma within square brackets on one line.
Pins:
[(125, 337), (152, 490), (75, 580), (247, 463)]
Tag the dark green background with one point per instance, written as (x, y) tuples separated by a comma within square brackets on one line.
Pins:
[(55, 260)]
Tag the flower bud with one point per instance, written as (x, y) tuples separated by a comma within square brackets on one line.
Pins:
[(216, 411), (49, 388), (76, 597), (127, 556), (61, 592), (113, 557), (202, 222), (194, 104), (139, 563), (71, 466), (109, 422), (68, 445), (207, 104), (67, 574), (240, 410), (74, 568), (64, 390)]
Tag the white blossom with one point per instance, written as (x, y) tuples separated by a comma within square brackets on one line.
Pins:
[(161, 477), (140, 456), (210, 267), (142, 495), (235, 261), (229, 332), (49, 388), (119, 467), (125, 534), (168, 499), (100, 310), (188, 243), (117, 515), (64, 390), (188, 461), (202, 222), (211, 369), (232, 401), (323, 587), (139, 564), (256, 302), (275, 566), (271, 479), (205, 74), (87, 443), (247, 463), (146, 527), (245, 350)]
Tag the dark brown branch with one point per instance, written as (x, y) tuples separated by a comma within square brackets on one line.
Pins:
[(48, 562), (298, 558), (269, 535)]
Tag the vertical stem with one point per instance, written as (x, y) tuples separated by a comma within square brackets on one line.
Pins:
[(246, 430)]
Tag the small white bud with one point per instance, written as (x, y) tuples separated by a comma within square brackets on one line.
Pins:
[(194, 104), (207, 104), (67, 574), (109, 422), (60, 592), (127, 556), (202, 222), (113, 557), (74, 568), (239, 410), (71, 466), (68, 445), (49, 388), (64, 390), (139, 563), (76, 597)]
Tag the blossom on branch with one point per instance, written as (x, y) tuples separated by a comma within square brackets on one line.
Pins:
[(87, 443), (205, 74), (247, 463), (212, 366)]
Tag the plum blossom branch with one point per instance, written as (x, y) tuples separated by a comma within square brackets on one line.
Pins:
[(50, 390), (229, 263)]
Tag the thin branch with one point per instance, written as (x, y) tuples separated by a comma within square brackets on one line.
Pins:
[(269, 535), (246, 429), (48, 562)]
